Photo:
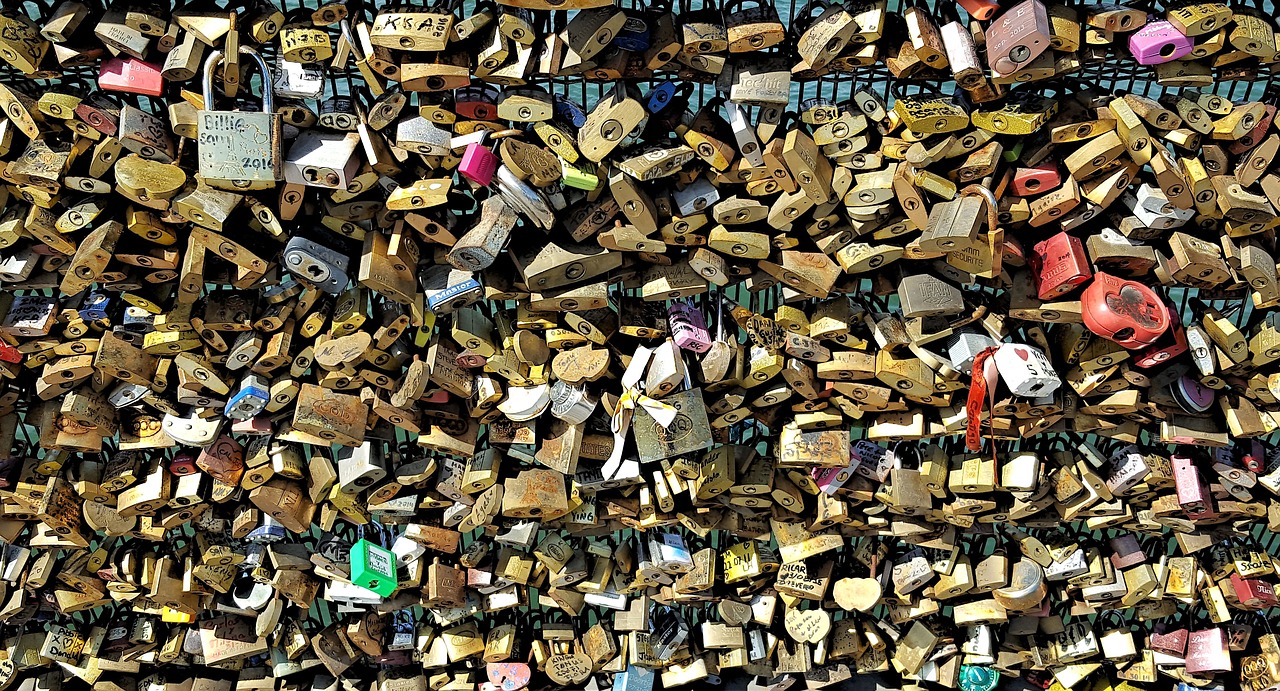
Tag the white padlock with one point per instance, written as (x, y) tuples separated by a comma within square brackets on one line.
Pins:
[(1026, 370)]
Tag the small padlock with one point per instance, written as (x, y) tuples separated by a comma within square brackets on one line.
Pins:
[(479, 162), (1159, 42), (688, 327)]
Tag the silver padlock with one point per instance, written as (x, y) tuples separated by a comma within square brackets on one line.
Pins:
[(192, 429), (360, 467), (318, 265), (323, 159), (696, 198), (745, 134), (239, 150), (250, 399), (963, 347), (1127, 466), (1026, 370), (420, 135), (1154, 210), (524, 198), (298, 79), (125, 394), (570, 403)]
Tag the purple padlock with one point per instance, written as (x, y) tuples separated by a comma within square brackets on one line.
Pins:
[(1158, 42), (688, 327)]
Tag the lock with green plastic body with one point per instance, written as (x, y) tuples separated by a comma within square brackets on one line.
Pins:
[(373, 567)]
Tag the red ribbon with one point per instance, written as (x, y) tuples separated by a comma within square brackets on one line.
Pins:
[(977, 400)]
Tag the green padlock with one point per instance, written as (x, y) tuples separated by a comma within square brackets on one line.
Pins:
[(579, 177), (373, 567)]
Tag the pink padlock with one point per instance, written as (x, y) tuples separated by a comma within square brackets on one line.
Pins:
[(478, 162), (830, 479), (131, 75), (688, 328), (1158, 42)]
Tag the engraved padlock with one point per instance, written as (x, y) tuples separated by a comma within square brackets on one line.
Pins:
[(239, 150), (1059, 265), (131, 75), (1017, 37), (1026, 370)]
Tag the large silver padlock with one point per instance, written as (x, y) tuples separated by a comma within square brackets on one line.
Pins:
[(239, 150)]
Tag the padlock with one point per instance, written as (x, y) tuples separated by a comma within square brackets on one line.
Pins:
[(321, 266), (1059, 266), (1017, 37), (688, 327), (131, 75), (373, 567), (478, 162), (1124, 311), (1158, 42), (239, 150), (824, 37), (1026, 370)]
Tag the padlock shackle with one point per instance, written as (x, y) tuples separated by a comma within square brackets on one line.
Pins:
[(211, 63)]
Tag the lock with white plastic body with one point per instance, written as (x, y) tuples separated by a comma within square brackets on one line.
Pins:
[(1026, 370), (239, 150)]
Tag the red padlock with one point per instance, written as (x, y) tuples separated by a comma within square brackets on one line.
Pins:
[(1126, 312), (470, 360), (1038, 180), (1255, 135), (131, 75), (1207, 651), (183, 463), (1171, 344), (1059, 265), (1255, 457), (476, 102), (1168, 638), (982, 10), (1253, 593), (9, 353)]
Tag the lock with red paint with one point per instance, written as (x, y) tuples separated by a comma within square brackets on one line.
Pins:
[(131, 75), (1126, 312), (1038, 180)]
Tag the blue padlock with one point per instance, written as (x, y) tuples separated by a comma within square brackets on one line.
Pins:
[(568, 111), (660, 97), (95, 307), (634, 35), (250, 399)]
